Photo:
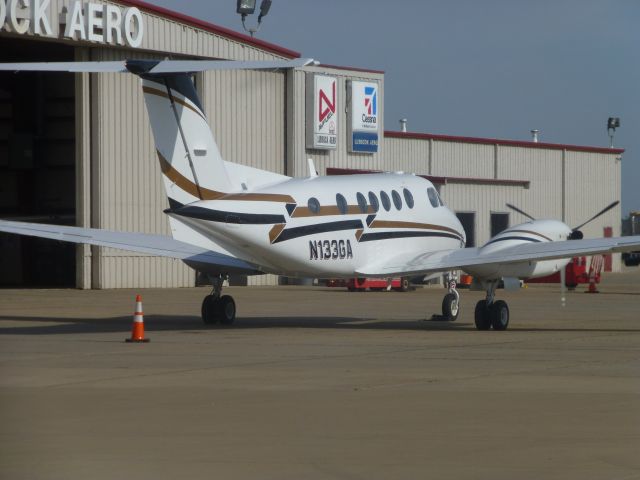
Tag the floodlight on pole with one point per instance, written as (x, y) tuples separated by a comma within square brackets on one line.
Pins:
[(612, 124), (248, 7)]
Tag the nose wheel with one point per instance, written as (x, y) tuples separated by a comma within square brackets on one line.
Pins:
[(451, 301), (217, 308)]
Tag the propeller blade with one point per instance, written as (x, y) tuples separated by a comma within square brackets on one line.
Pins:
[(604, 210), (513, 207)]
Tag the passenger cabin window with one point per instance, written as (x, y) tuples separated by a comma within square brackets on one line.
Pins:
[(362, 202), (373, 200), (314, 205), (397, 201), (408, 198), (342, 204), (386, 203), (433, 197)]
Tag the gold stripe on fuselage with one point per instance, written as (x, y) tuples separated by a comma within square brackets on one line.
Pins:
[(421, 226), (530, 232)]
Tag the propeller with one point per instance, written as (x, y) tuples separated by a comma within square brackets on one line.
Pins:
[(513, 207), (576, 234)]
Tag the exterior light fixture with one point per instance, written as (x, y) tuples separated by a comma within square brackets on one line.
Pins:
[(247, 7), (612, 124)]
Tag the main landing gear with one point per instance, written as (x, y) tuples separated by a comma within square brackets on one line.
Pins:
[(490, 313), (218, 308)]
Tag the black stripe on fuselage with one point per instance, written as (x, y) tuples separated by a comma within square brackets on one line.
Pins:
[(502, 239), (227, 217), (369, 237), (316, 228)]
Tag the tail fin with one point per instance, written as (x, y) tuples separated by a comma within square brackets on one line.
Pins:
[(189, 157)]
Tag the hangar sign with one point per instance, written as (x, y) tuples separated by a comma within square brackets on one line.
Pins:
[(93, 22), (363, 116), (322, 111)]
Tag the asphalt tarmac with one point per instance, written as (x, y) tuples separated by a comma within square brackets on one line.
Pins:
[(320, 383)]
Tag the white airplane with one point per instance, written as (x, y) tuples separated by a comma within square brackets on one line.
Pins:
[(227, 218)]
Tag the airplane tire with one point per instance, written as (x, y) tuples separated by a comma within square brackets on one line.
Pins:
[(405, 285), (209, 310), (450, 307), (499, 314), (226, 310), (483, 322)]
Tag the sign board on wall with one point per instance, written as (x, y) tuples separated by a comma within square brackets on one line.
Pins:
[(92, 22), (322, 111), (363, 116)]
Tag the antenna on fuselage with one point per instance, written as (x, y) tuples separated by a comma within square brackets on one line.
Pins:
[(312, 168)]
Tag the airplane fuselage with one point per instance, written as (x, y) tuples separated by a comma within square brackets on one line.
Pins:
[(328, 226)]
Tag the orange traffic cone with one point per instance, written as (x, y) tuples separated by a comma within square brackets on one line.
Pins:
[(137, 330)]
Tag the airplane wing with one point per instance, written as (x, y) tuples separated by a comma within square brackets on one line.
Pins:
[(158, 245), (418, 264)]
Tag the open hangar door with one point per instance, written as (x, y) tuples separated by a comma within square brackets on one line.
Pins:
[(37, 164)]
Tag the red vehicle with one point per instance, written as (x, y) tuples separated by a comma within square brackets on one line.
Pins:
[(373, 284)]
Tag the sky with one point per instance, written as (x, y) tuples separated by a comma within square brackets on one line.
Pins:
[(490, 68)]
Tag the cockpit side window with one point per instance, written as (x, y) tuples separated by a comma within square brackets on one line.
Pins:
[(433, 197)]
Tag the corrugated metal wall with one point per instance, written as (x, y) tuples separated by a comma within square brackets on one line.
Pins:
[(592, 181), (119, 180), (246, 112), (126, 189), (170, 37)]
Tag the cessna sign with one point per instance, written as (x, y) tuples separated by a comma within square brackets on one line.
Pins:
[(322, 112), (87, 21), (363, 116)]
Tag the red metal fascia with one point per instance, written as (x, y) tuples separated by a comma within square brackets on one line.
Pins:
[(507, 143), (210, 27)]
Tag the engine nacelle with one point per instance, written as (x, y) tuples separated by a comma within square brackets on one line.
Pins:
[(535, 231)]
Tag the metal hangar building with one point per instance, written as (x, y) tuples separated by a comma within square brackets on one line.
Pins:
[(76, 149)]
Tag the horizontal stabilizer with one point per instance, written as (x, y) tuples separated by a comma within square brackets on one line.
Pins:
[(155, 67)]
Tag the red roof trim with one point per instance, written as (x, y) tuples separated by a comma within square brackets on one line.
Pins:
[(210, 27), (495, 141), (440, 180), (352, 69)]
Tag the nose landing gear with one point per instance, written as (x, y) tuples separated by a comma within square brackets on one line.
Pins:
[(451, 301), (490, 313), (216, 307)]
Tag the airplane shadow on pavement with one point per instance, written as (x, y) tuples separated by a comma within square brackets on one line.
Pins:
[(190, 323)]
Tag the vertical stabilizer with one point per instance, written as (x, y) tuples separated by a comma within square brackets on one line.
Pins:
[(189, 157)]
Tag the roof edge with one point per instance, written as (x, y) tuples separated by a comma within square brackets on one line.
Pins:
[(496, 141), (225, 32), (352, 69)]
